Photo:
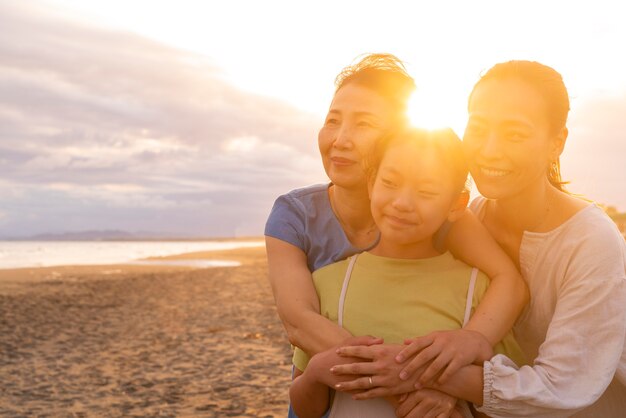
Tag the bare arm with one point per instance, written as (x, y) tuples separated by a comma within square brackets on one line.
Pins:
[(466, 383), (309, 392), (428, 403), (309, 397), (296, 299), (505, 298), (507, 294)]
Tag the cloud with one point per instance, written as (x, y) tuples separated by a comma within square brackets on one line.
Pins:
[(105, 129)]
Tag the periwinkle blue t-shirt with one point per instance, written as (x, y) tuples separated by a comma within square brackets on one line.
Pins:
[(303, 217)]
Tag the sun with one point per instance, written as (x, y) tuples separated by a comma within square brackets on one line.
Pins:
[(435, 109)]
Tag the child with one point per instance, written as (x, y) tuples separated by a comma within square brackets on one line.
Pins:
[(402, 287)]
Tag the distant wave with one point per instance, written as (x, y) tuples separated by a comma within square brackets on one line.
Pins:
[(18, 254)]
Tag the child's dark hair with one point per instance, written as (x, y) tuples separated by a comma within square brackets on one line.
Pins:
[(445, 142)]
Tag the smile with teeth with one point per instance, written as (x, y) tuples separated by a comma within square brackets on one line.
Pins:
[(493, 172)]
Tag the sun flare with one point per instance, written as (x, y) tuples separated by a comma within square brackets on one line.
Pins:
[(433, 109)]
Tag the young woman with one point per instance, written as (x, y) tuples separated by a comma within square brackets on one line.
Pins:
[(311, 227), (569, 252)]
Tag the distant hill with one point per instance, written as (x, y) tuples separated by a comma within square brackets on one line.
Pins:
[(106, 235), (118, 235), (96, 235), (618, 217)]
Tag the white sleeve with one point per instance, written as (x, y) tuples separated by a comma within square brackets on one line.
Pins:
[(583, 345)]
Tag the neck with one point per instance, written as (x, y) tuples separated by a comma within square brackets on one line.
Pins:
[(352, 207), (532, 210), (413, 251)]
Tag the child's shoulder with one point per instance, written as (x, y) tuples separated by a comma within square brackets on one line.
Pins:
[(460, 267), (462, 271), (330, 276), (332, 268)]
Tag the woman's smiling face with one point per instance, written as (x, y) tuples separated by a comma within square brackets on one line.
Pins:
[(357, 117), (508, 141)]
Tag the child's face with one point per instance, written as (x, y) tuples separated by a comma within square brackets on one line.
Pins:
[(412, 196)]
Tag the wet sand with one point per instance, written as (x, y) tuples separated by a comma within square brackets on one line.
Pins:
[(143, 341)]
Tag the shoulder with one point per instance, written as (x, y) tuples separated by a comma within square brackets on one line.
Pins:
[(292, 213), (306, 194), (331, 270), (592, 229), (455, 265), (329, 278), (591, 217), (462, 273), (589, 245), (299, 204), (459, 271)]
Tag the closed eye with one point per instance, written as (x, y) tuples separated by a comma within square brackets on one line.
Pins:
[(516, 136), (475, 130), (428, 193), (387, 182), (331, 122)]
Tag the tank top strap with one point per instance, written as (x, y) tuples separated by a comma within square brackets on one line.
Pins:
[(470, 296), (344, 289)]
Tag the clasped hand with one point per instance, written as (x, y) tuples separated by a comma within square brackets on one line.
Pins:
[(383, 367), (389, 369)]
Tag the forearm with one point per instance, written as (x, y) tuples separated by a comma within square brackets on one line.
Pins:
[(296, 299), (309, 392), (313, 332), (309, 398), (466, 383), (498, 310)]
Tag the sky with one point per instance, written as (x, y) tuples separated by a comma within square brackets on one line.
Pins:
[(190, 117)]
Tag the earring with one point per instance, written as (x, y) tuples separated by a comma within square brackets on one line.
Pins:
[(553, 171)]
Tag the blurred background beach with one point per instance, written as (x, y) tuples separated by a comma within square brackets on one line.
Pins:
[(154, 339), (134, 132), (30, 253)]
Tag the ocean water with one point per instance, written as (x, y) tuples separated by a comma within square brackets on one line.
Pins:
[(17, 254)]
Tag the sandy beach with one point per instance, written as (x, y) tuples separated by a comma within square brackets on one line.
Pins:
[(143, 341)]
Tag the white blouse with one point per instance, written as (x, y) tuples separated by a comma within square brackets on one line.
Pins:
[(573, 329)]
